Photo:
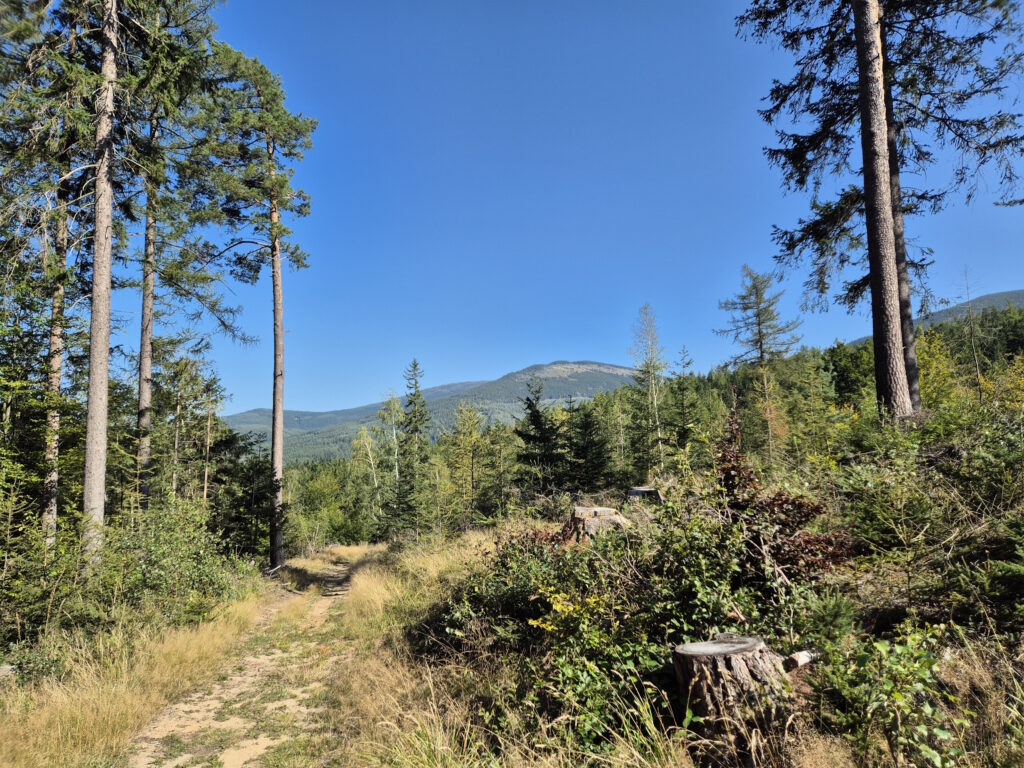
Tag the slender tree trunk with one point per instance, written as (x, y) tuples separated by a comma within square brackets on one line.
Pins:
[(145, 412), (94, 485), (974, 342), (177, 437), (373, 472), (657, 422), (277, 421), (55, 274), (394, 441), (768, 414), (206, 452), (890, 371), (899, 236)]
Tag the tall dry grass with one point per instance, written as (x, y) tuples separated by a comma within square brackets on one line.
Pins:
[(115, 685), (386, 592)]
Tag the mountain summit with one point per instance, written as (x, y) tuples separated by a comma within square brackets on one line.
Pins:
[(327, 434)]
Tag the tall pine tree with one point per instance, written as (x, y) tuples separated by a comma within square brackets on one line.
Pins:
[(253, 154), (946, 64)]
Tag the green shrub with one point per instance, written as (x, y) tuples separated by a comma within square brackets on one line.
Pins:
[(586, 626), (888, 688), (32, 662), (160, 565)]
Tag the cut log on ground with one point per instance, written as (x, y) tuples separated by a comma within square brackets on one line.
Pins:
[(737, 687)]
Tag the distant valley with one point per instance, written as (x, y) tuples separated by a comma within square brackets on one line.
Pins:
[(328, 434)]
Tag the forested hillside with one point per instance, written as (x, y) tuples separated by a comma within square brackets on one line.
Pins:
[(329, 434), (1000, 300), (805, 556)]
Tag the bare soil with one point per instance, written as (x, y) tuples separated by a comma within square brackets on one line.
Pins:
[(264, 707)]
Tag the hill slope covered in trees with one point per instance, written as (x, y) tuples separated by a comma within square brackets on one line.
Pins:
[(998, 300), (329, 434)]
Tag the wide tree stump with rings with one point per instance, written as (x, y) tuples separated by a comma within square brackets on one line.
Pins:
[(736, 686)]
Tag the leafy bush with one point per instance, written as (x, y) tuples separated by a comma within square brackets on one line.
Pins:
[(32, 662), (159, 565), (171, 560), (889, 688), (589, 625)]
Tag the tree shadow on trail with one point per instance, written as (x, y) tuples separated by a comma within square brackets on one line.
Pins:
[(329, 575)]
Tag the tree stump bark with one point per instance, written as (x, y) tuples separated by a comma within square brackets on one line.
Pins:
[(588, 522), (737, 687)]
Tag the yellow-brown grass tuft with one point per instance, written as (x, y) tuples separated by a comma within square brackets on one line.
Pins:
[(814, 751), (114, 687)]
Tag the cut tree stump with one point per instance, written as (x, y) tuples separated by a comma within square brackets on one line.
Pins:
[(588, 522), (737, 687)]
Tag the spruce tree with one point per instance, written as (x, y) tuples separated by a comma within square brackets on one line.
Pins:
[(542, 455), (588, 448), (756, 325), (680, 401), (413, 449), (649, 378)]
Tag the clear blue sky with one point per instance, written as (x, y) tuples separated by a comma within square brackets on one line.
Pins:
[(497, 184)]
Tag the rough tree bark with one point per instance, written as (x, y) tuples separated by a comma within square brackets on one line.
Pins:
[(899, 236), (277, 421), (94, 485), (145, 412), (736, 685), (890, 370)]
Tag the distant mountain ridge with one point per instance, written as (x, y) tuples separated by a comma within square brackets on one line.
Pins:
[(328, 434), (1000, 300)]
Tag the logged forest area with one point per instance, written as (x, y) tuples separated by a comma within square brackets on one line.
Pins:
[(767, 547)]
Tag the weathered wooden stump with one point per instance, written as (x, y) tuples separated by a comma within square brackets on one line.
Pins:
[(588, 522), (737, 687)]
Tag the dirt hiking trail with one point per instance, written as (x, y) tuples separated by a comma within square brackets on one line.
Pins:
[(263, 708)]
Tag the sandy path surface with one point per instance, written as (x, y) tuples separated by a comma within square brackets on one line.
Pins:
[(265, 700)]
